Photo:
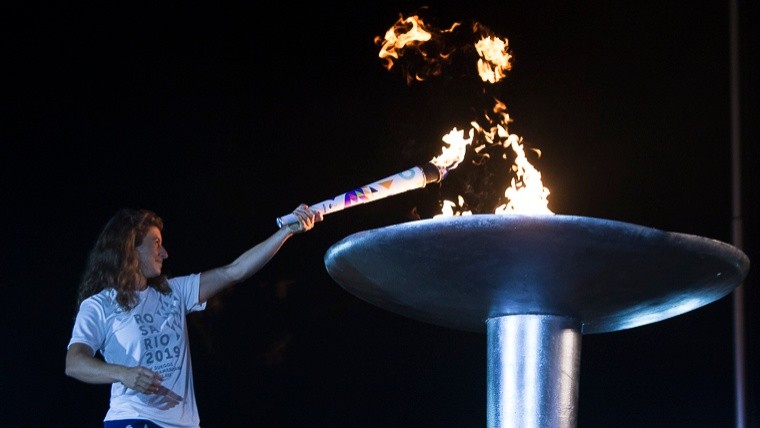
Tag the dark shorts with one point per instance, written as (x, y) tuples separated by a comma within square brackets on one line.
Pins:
[(130, 423)]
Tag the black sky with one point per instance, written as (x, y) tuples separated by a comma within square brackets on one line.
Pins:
[(222, 117)]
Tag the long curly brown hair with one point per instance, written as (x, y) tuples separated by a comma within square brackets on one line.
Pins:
[(113, 261)]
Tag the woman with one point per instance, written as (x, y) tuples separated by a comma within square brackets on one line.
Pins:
[(136, 318)]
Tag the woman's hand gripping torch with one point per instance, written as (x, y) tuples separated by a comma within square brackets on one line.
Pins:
[(413, 178)]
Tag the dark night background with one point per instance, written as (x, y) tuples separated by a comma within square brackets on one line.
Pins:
[(222, 117)]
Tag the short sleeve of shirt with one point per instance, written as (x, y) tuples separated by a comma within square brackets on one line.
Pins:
[(90, 324), (188, 290)]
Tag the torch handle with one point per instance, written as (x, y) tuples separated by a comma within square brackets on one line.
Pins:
[(413, 178), (286, 220), (291, 218)]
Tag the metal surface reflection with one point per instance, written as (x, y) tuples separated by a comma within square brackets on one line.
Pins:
[(460, 271)]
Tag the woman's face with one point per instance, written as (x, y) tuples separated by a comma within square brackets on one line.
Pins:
[(152, 253)]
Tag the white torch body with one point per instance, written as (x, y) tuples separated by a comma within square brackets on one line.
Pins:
[(413, 178)]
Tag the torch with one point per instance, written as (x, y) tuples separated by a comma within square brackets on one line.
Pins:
[(413, 178), (417, 177)]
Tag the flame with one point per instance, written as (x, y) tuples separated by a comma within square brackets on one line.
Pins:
[(525, 193), (425, 44), (450, 158), (447, 210), (453, 155), (495, 59), (405, 32)]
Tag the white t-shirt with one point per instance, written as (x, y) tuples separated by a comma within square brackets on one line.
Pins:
[(154, 335)]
